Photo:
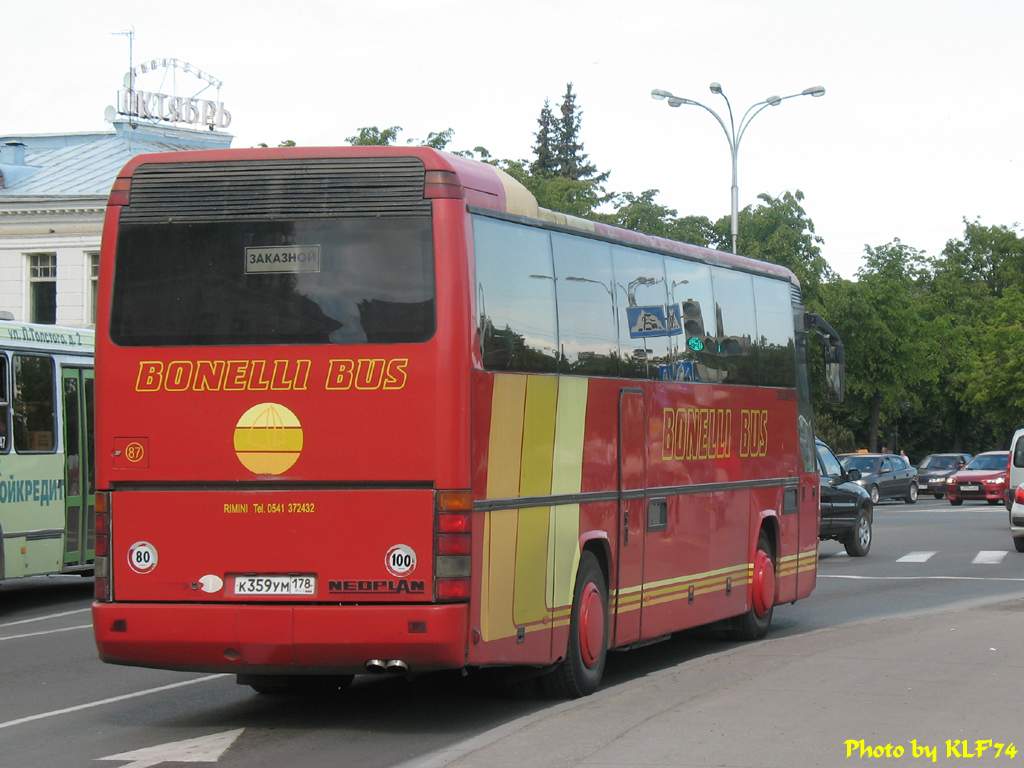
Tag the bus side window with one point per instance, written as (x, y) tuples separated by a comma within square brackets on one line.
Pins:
[(642, 303), (5, 407), (736, 330), (691, 305), (775, 347), (587, 336), (35, 414), (515, 296)]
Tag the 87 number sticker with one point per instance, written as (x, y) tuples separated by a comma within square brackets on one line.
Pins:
[(142, 557), (400, 560)]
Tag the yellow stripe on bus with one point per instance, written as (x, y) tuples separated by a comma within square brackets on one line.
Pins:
[(504, 456), (530, 603)]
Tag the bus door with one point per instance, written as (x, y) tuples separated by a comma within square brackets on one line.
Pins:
[(79, 476), (632, 483)]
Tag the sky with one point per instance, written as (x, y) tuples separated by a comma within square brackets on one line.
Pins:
[(920, 126)]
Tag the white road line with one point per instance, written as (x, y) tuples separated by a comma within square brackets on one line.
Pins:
[(46, 617), (111, 700), (45, 632), (990, 557), (916, 557), (918, 578)]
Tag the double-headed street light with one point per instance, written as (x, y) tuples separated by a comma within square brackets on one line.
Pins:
[(734, 133)]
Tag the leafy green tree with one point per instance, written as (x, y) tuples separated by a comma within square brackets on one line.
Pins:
[(992, 377), (879, 317), (696, 230), (778, 229), (643, 214), (371, 135), (283, 143), (992, 254)]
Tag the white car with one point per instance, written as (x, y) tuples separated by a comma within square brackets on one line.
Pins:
[(1016, 465), (1017, 518)]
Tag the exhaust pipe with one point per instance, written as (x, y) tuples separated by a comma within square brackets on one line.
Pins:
[(397, 667), (376, 666)]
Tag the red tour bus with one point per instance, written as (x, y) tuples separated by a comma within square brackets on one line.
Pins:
[(371, 409)]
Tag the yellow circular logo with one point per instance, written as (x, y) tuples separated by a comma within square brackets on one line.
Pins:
[(268, 439), (134, 452)]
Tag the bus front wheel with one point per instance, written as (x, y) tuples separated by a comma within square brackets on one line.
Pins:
[(579, 673)]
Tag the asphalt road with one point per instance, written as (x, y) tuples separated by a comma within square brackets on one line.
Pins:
[(62, 707)]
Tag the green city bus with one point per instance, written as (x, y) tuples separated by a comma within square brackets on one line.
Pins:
[(47, 450)]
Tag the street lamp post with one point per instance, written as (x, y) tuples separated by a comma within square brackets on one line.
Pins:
[(734, 133)]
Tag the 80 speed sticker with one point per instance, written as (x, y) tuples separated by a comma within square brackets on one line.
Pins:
[(400, 560), (142, 557)]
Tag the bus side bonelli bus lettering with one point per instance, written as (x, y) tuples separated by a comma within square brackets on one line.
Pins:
[(342, 374)]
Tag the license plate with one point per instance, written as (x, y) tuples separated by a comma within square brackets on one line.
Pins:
[(275, 585), (970, 487)]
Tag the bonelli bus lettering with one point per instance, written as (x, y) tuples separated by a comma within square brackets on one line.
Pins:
[(415, 452)]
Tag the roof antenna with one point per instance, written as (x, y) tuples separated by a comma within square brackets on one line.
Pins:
[(130, 34)]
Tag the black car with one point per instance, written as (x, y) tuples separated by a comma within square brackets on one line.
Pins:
[(846, 508), (935, 468), (884, 475)]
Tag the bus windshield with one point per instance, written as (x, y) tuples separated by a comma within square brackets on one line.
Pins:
[(304, 281)]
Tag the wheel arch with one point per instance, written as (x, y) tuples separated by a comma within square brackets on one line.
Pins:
[(596, 542), (770, 525)]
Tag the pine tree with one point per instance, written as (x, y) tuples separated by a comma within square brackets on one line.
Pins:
[(569, 155), (544, 163)]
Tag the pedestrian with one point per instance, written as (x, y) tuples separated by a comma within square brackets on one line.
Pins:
[(903, 455), (885, 448)]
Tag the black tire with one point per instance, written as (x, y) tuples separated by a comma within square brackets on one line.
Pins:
[(750, 626), (858, 541), (1018, 543), (875, 497), (296, 685), (956, 502), (571, 678), (911, 497), (937, 495)]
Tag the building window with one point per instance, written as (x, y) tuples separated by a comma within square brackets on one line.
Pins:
[(94, 275), (42, 281)]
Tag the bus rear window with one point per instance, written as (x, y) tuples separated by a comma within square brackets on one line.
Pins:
[(306, 281)]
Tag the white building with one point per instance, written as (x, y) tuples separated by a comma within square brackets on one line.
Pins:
[(53, 192)]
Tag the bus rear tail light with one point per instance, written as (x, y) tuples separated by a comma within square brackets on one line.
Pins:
[(101, 565), (453, 542), (442, 184)]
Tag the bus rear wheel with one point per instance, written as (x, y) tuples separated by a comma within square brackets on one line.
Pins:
[(753, 625), (296, 685), (579, 673)]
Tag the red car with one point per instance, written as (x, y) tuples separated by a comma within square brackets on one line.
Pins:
[(983, 478)]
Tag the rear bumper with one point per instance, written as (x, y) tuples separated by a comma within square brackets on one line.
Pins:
[(276, 639)]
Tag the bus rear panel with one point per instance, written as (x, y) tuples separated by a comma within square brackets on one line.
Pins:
[(283, 379)]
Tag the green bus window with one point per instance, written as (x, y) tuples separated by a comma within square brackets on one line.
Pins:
[(5, 406), (35, 415)]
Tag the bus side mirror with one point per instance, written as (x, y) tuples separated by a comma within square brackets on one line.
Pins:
[(835, 370), (835, 360)]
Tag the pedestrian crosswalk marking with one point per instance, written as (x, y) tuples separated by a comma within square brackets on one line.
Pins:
[(990, 556), (916, 557)]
